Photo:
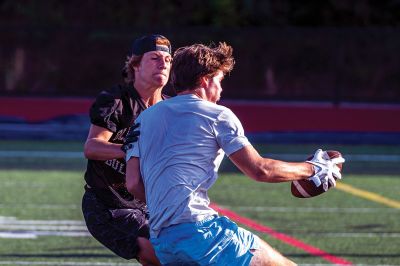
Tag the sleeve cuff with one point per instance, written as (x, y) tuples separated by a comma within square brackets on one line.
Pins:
[(132, 152)]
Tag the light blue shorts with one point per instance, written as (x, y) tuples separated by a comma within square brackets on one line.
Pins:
[(213, 241)]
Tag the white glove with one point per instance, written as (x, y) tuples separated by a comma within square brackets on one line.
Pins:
[(325, 169)]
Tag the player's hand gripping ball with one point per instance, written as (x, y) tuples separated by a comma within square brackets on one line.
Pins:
[(327, 169)]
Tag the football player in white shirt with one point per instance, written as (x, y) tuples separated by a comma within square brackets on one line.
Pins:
[(176, 160)]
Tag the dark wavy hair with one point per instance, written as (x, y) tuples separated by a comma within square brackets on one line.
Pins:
[(193, 62)]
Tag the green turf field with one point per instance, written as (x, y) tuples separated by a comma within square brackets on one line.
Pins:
[(41, 221)]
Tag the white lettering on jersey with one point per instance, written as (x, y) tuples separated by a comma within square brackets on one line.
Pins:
[(120, 135), (116, 165)]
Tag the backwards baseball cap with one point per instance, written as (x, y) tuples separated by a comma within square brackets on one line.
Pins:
[(152, 42)]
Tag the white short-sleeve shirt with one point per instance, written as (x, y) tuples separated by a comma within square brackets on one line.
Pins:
[(182, 143)]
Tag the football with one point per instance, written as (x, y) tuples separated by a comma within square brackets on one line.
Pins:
[(306, 188)]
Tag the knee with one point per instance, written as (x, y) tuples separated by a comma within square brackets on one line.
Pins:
[(266, 255)]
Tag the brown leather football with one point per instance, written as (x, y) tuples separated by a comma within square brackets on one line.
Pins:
[(306, 188)]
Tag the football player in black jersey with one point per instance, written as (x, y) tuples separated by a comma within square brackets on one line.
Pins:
[(113, 216)]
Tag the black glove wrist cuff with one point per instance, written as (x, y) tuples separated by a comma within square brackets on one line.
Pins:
[(126, 147)]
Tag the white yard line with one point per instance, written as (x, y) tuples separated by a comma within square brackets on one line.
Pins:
[(14, 220), (13, 235), (42, 227), (39, 206), (41, 154), (10, 227), (35, 234)]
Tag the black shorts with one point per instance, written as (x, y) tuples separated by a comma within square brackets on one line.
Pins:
[(116, 229)]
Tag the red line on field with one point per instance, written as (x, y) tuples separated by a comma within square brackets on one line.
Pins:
[(280, 236)]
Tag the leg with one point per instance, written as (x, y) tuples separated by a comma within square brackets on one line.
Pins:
[(119, 229), (266, 256), (146, 255)]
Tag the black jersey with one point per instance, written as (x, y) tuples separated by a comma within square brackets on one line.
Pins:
[(116, 110)]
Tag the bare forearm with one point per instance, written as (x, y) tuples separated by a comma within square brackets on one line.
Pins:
[(98, 149), (249, 161), (275, 171)]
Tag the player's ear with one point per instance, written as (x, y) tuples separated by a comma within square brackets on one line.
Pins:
[(134, 68), (204, 81)]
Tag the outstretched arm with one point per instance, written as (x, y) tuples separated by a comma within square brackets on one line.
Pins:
[(134, 182), (250, 162)]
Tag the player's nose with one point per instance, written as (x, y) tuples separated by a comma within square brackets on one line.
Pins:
[(163, 63)]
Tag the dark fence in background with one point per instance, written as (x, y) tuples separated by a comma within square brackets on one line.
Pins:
[(288, 63)]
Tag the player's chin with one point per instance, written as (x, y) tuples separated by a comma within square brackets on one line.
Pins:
[(160, 80)]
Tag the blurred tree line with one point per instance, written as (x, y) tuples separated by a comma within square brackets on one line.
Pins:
[(333, 50)]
